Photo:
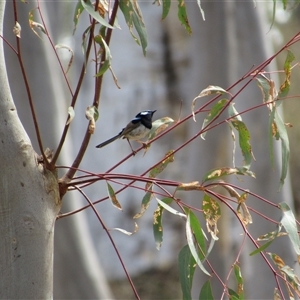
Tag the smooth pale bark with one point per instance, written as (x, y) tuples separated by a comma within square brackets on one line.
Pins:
[(29, 203), (77, 269)]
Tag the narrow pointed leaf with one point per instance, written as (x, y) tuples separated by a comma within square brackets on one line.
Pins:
[(268, 88), (77, 13), (158, 126), (192, 246), (182, 16), (136, 228), (240, 281), (261, 248), (271, 236), (133, 17), (88, 6), (157, 223), (272, 134), (170, 209), (244, 141), (285, 87), (212, 213), (206, 292), (145, 204), (233, 295), (289, 222), (285, 147), (211, 89), (160, 167), (233, 113), (107, 62), (187, 266), (166, 4), (112, 197), (198, 233), (214, 113), (217, 173)]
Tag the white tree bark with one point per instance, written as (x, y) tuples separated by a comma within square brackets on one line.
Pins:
[(29, 203)]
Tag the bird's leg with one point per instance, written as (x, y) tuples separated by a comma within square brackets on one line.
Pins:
[(133, 152)]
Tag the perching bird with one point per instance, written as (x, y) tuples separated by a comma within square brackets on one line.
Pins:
[(137, 129)]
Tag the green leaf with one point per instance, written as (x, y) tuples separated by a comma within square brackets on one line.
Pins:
[(271, 236), (244, 142), (214, 112), (187, 266), (182, 16), (265, 85), (159, 125), (240, 281), (292, 276), (77, 13), (112, 197), (133, 17), (212, 213), (157, 223), (84, 42), (161, 166), (165, 8), (199, 234), (289, 222), (271, 134), (217, 173), (210, 90), (233, 113), (285, 87), (88, 6), (145, 204), (273, 14), (170, 209), (233, 295), (206, 292), (192, 246), (107, 62), (285, 147)]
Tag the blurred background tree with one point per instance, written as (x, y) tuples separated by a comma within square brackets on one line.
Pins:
[(234, 37)]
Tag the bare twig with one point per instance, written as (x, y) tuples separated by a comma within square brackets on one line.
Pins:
[(36, 126), (111, 240), (71, 172)]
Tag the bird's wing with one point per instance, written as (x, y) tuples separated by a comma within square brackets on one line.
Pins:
[(130, 126)]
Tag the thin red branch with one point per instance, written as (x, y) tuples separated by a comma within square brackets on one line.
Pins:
[(71, 172), (34, 118), (111, 240)]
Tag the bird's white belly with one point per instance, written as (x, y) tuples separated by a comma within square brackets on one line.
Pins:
[(137, 133)]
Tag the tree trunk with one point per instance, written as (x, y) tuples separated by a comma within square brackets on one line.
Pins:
[(29, 203)]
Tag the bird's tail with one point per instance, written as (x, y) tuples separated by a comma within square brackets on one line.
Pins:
[(109, 141)]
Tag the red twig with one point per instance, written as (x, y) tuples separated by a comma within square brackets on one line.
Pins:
[(71, 172), (34, 118), (110, 238)]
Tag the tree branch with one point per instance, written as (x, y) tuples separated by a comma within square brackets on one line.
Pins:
[(36, 126), (71, 172)]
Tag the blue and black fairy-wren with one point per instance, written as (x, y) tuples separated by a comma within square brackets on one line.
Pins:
[(135, 130)]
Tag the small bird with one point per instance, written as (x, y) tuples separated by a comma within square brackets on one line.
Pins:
[(137, 129)]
